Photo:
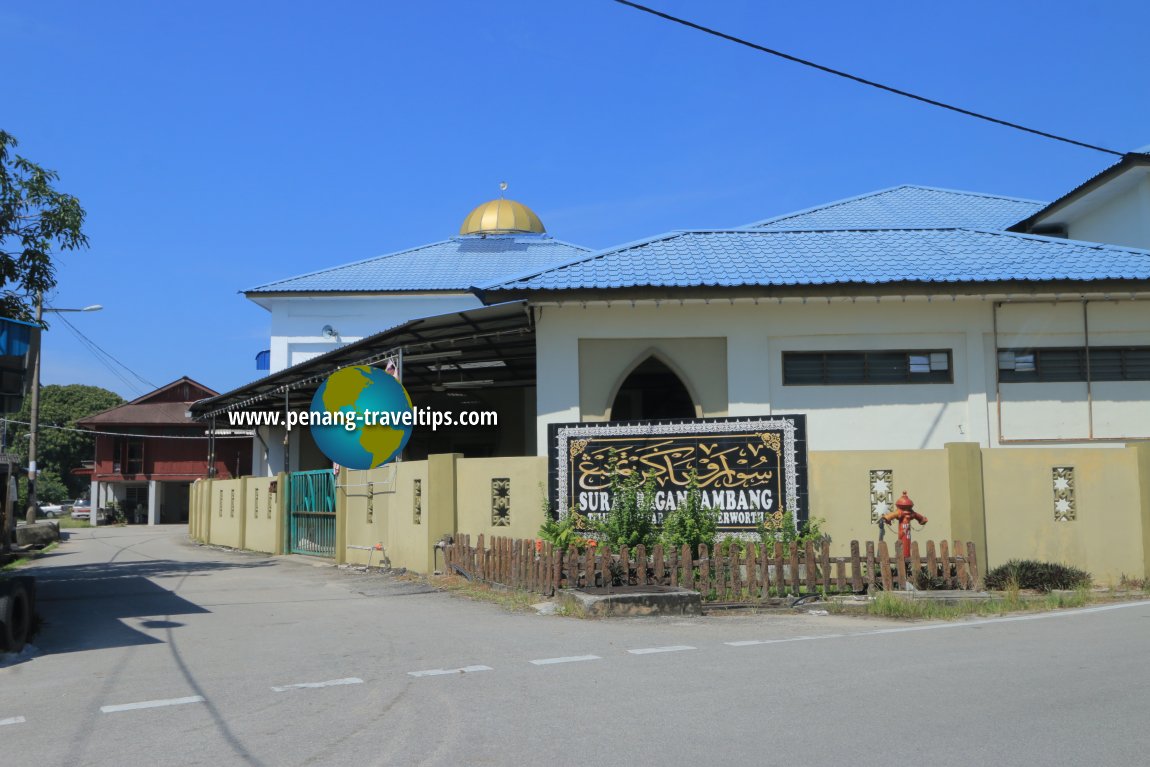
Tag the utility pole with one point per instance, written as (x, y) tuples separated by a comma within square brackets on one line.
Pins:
[(34, 419), (33, 506)]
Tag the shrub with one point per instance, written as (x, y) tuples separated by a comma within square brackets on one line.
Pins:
[(631, 520), (925, 581), (563, 533), (780, 527), (690, 524), (1041, 576), (732, 545)]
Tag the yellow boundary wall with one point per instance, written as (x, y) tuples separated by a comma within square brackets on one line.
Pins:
[(1002, 499)]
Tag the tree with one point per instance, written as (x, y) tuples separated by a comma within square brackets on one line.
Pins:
[(59, 451), (34, 219)]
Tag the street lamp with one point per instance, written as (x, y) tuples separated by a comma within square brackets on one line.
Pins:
[(34, 420)]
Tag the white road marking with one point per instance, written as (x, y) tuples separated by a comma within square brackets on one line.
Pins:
[(749, 642), (940, 626), (1007, 619), (12, 720), (152, 704), (310, 685), (568, 659), (669, 648), (443, 671)]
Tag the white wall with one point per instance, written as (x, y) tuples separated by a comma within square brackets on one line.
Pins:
[(298, 321), (1123, 219), (1063, 410), (870, 417)]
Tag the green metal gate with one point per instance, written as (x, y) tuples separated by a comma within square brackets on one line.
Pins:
[(311, 513)]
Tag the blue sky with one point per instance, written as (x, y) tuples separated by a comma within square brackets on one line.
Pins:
[(220, 145)]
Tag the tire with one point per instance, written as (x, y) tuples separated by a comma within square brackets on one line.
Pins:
[(15, 618)]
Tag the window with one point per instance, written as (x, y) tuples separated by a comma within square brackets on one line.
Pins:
[(135, 462), (867, 367), (1107, 363)]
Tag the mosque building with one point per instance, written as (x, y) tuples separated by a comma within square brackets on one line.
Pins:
[(990, 351), (904, 318)]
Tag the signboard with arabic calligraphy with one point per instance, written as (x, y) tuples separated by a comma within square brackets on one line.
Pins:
[(746, 467)]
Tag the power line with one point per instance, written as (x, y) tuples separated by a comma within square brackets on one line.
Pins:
[(87, 344), (94, 432), (863, 80), (111, 369), (94, 347)]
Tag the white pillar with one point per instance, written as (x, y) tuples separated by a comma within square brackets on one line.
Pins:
[(980, 401), (153, 506)]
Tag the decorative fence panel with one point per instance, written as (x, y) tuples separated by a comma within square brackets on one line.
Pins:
[(751, 574), (311, 513)]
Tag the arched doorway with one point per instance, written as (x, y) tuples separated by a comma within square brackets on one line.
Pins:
[(652, 391)]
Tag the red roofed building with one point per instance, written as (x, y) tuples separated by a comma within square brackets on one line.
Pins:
[(148, 452)]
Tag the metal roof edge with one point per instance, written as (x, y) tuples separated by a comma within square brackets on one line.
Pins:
[(261, 288), (1118, 286), (1129, 160), (822, 206), (1091, 244), (20, 322), (481, 290), (265, 289), (877, 192)]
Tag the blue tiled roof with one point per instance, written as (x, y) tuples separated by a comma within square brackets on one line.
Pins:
[(910, 206), (453, 264), (764, 258)]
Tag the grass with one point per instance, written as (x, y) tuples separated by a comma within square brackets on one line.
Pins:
[(24, 558), (889, 605), (1129, 583), (514, 601)]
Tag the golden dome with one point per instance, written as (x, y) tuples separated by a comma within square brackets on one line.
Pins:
[(501, 217)]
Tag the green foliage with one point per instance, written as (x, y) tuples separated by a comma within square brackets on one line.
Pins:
[(58, 452), (49, 489), (890, 605), (565, 532), (690, 523), (780, 527), (618, 572), (34, 219), (1041, 576), (925, 581), (732, 545), (631, 520)]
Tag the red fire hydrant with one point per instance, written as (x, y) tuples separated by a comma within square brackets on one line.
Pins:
[(904, 512)]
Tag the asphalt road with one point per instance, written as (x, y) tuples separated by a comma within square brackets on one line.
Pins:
[(158, 652)]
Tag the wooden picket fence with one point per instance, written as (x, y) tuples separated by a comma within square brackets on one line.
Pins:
[(756, 574)]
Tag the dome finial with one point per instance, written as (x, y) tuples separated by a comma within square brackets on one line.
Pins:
[(502, 216)]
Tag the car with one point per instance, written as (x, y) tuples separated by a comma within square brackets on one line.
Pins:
[(52, 510)]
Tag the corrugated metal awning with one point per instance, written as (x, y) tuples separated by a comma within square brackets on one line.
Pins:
[(492, 347)]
